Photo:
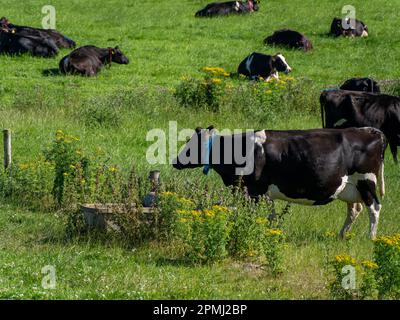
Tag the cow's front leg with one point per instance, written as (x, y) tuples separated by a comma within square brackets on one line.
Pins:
[(353, 211)]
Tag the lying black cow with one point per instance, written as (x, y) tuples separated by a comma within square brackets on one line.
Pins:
[(312, 167), (361, 84), (89, 60), (258, 65), (342, 27), (60, 40), (289, 38), (226, 8), (12, 43), (344, 109)]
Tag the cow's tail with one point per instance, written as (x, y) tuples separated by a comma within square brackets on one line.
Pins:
[(381, 179), (322, 101)]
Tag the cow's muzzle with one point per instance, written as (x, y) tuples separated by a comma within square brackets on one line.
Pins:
[(288, 70)]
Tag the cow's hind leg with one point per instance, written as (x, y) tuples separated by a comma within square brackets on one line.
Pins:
[(367, 189), (353, 211)]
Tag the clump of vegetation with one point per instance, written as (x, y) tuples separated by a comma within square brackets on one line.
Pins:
[(379, 278), (237, 227), (217, 88), (387, 257)]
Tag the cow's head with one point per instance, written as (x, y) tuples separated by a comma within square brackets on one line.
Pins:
[(193, 154), (117, 56), (4, 22), (280, 64), (253, 5)]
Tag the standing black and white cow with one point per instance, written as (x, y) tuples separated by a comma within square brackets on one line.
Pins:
[(344, 109), (344, 27), (89, 60), (12, 43), (258, 65), (361, 84), (289, 38), (60, 40), (312, 167), (226, 8)]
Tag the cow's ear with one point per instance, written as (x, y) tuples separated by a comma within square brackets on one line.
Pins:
[(198, 129), (210, 128), (116, 48)]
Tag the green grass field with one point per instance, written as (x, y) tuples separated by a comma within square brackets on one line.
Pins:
[(164, 43)]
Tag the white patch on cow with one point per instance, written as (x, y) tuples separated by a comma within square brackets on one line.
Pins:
[(259, 139), (288, 68), (340, 122), (348, 192), (274, 75), (275, 194), (248, 63), (237, 6), (364, 34)]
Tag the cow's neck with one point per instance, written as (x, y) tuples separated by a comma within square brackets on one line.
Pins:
[(226, 171), (105, 56)]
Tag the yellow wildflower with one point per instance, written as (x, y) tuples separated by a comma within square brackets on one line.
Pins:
[(274, 232), (369, 264), (345, 259), (261, 220), (113, 169), (221, 209), (216, 80), (168, 194)]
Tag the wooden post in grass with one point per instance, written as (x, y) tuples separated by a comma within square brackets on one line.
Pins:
[(7, 148)]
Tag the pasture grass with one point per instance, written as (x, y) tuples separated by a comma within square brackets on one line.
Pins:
[(164, 42)]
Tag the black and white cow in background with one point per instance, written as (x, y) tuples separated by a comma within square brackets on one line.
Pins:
[(344, 109), (261, 65), (290, 39), (343, 27), (361, 84), (312, 167), (11, 43), (226, 8)]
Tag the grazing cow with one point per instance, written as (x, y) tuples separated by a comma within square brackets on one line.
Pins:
[(60, 40), (312, 167), (226, 8), (258, 65), (89, 60), (289, 38), (337, 28), (12, 43), (344, 109), (361, 84)]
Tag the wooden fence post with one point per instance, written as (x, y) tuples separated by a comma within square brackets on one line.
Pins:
[(7, 148)]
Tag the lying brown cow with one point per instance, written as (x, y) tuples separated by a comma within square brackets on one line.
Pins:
[(89, 60), (60, 40), (290, 39)]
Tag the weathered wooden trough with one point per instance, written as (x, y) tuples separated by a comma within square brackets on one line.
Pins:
[(104, 216)]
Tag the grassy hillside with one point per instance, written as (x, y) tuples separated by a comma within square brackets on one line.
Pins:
[(164, 43)]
